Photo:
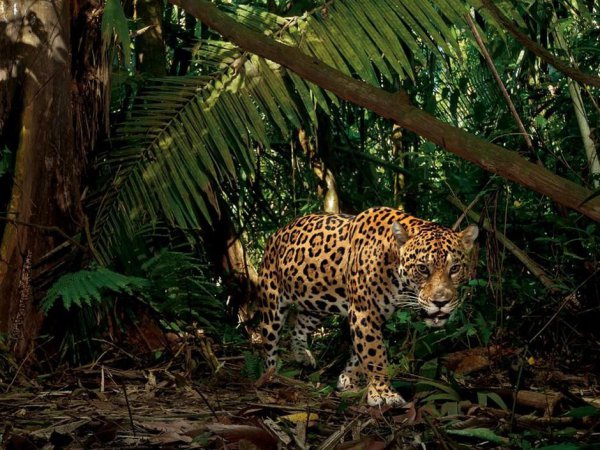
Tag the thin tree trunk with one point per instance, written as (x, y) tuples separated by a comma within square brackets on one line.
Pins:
[(150, 45), (398, 157), (35, 82), (230, 259), (491, 157), (327, 186), (182, 53), (500, 83), (584, 127)]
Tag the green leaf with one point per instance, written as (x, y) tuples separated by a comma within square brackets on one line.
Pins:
[(253, 365), (450, 408), (403, 316), (86, 286), (452, 394), (5, 161), (483, 434), (442, 396), (583, 411), (563, 446), (482, 399)]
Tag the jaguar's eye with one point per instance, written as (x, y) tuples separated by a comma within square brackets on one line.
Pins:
[(422, 269), (454, 269)]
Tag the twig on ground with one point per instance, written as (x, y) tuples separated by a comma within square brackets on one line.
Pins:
[(203, 397), (128, 408)]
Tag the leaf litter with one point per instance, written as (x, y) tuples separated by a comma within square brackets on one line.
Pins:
[(122, 404)]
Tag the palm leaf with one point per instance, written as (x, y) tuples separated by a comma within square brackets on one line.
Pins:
[(187, 135)]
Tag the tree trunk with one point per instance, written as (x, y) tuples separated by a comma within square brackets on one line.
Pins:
[(398, 157), (230, 260), (327, 186), (491, 157), (149, 45), (35, 86)]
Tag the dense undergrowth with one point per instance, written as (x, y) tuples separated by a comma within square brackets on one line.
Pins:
[(151, 277)]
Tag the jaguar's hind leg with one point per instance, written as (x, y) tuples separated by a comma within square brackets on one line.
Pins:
[(273, 314), (306, 325)]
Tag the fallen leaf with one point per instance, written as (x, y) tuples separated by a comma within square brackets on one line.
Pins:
[(17, 442), (473, 359), (234, 433), (366, 443), (45, 433), (170, 438), (377, 412), (277, 431), (472, 363), (288, 395), (410, 417), (301, 417), (300, 434), (183, 427)]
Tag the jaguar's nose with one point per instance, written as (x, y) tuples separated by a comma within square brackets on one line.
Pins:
[(441, 303)]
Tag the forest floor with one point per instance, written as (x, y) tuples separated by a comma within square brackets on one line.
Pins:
[(120, 403)]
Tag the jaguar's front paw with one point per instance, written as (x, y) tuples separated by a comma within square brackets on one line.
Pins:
[(380, 394)]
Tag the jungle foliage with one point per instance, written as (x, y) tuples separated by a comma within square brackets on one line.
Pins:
[(222, 138), (228, 134)]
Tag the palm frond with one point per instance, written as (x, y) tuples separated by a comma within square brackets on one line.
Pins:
[(188, 135)]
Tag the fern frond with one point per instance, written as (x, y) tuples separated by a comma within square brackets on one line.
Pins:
[(87, 286), (180, 286)]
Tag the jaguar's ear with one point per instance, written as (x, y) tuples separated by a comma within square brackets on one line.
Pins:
[(400, 234), (468, 236)]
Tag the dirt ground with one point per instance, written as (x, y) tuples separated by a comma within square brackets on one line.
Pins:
[(120, 403)]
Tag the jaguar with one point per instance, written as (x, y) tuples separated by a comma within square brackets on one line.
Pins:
[(364, 267)]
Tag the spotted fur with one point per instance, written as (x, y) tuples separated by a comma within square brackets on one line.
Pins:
[(364, 267)]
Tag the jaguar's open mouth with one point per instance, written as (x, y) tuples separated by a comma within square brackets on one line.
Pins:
[(437, 319)]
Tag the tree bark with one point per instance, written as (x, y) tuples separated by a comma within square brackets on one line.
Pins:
[(36, 84), (397, 107)]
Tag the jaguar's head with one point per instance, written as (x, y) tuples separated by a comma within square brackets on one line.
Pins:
[(434, 262)]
